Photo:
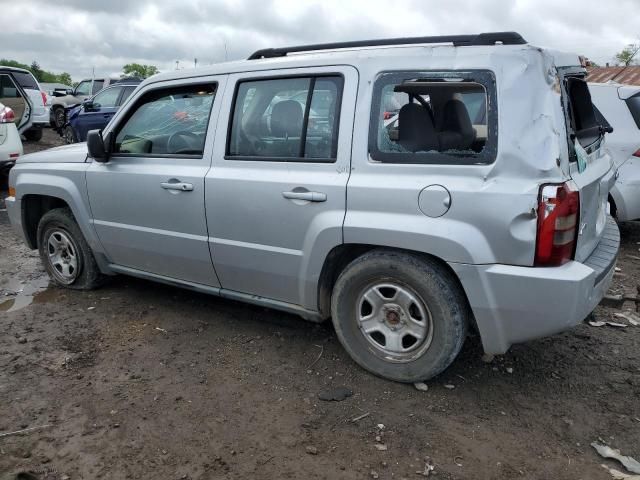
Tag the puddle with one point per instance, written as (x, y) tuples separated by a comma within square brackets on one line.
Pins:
[(26, 293)]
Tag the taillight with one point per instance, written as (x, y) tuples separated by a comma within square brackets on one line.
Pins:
[(44, 98), (558, 217), (7, 115), (387, 115), (637, 153)]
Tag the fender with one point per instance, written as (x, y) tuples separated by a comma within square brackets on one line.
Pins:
[(68, 185)]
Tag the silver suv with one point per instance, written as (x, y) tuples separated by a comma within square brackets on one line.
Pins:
[(410, 189)]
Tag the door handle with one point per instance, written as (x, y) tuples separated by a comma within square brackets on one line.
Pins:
[(183, 187), (308, 196)]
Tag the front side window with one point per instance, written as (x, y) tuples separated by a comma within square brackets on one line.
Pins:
[(127, 91), (84, 88), (286, 119), (434, 117), (97, 86), (168, 121), (107, 98)]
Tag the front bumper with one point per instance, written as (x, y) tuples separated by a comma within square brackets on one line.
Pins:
[(15, 217), (514, 304)]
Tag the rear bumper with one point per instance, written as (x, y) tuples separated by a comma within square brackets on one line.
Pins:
[(514, 304), (42, 118)]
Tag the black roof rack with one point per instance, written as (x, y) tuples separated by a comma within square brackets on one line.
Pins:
[(506, 38)]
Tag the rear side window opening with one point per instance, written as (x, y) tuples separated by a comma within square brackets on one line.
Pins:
[(286, 119), (584, 122), (434, 117), (634, 107)]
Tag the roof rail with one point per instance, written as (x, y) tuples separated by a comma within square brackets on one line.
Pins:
[(506, 38)]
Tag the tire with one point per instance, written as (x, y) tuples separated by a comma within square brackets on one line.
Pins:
[(413, 308), (59, 118), (65, 253), (33, 134), (70, 135)]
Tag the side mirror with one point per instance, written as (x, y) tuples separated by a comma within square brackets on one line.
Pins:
[(89, 105), (98, 148)]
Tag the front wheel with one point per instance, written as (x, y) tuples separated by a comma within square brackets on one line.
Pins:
[(398, 315), (65, 253), (59, 117), (70, 135)]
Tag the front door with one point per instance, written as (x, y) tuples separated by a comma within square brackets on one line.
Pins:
[(276, 194), (147, 202), (99, 112)]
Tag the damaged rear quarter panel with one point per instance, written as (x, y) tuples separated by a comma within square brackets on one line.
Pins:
[(492, 217)]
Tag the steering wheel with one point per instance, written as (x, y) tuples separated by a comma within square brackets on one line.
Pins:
[(178, 143)]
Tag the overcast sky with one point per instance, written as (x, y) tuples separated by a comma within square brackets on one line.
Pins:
[(76, 35)]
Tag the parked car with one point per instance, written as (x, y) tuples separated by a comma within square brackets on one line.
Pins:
[(83, 90), (15, 118), (38, 99), (406, 234), (55, 88), (620, 105), (96, 112), (10, 143)]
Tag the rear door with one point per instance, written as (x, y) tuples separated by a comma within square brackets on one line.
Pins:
[(590, 164), (276, 196), (13, 96), (147, 202)]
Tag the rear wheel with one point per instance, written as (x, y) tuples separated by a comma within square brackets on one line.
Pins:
[(65, 253), (33, 134), (400, 316)]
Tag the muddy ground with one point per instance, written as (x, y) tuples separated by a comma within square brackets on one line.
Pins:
[(141, 380)]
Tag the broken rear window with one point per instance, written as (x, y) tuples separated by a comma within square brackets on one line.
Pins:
[(634, 107), (434, 117), (584, 121)]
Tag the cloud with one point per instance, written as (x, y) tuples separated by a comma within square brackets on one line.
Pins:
[(78, 35)]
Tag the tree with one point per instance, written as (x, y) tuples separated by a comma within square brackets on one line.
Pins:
[(37, 71), (65, 79), (139, 70), (628, 55), (41, 75)]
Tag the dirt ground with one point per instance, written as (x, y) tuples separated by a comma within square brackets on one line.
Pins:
[(145, 381)]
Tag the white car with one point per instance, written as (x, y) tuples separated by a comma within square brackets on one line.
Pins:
[(38, 98), (620, 106), (10, 143), (15, 118)]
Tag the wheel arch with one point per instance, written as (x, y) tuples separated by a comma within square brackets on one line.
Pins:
[(34, 206), (342, 255), (39, 192)]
